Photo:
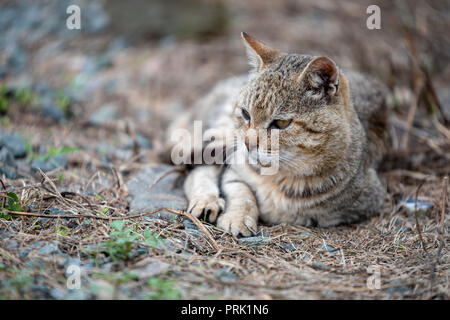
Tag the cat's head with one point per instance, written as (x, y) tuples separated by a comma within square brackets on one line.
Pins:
[(301, 98)]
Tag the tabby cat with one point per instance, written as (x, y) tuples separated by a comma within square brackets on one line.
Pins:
[(331, 127)]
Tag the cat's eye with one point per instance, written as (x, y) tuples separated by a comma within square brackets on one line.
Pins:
[(280, 124), (246, 115)]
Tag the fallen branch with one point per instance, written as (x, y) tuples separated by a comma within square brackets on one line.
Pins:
[(416, 217), (440, 230), (133, 216)]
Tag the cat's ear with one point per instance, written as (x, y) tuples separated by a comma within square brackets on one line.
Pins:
[(321, 75), (259, 54)]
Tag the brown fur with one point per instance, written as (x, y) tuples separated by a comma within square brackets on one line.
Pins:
[(328, 153)]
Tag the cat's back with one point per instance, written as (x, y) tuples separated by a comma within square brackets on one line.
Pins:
[(369, 97), (367, 93)]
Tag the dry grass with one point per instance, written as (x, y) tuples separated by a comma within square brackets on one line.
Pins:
[(291, 264)]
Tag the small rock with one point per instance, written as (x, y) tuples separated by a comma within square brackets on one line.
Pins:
[(103, 115), (57, 294), (289, 246), (254, 241), (397, 287), (56, 162), (53, 112), (8, 172), (225, 275), (142, 142), (23, 253), (11, 245), (327, 248), (6, 157), (72, 261), (150, 267), (320, 265), (35, 264), (263, 233), (422, 206), (142, 251), (41, 290), (101, 289), (165, 193), (39, 164), (48, 249), (15, 144), (76, 294), (189, 225)]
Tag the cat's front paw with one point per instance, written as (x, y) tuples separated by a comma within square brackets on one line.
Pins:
[(238, 222), (209, 206)]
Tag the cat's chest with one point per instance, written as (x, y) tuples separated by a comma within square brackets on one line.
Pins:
[(273, 203)]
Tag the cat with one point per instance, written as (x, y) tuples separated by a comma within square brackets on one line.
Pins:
[(332, 128)]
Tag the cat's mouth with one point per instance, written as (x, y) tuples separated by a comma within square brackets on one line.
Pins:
[(262, 159)]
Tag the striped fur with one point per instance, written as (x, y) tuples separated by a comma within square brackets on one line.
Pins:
[(328, 153)]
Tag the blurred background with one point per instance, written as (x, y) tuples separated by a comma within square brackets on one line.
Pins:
[(134, 65)]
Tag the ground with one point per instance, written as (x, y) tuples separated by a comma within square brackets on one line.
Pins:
[(82, 118)]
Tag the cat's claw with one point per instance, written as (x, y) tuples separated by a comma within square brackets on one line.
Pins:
[(210, 206), (238, 223)]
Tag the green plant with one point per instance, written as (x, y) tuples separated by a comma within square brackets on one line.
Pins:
[(117, 278), (103, 212), (60, 177), (120, 244), (62, 101), (52, 151), (25, 96), (19, 283), (122, 241), (163, 289), (4, 102), (12, 204), (62, 230), (151, 238)]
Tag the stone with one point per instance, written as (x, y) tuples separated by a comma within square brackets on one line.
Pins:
[(11, 245), (8, 172), (422, 206), (254, 241), (48, 249), (225, 275), (57, 294), (320, 265), (150, 267), (327, 248), (166, 193), (24, 253), (15, 144), (56, 162), (7, 158), (103, 115), (289, 246), (142, 142), (52, 112), (397, 287), (189, 225)]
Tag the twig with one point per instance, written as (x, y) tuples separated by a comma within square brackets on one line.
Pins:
[(138, 215), (417, 219), (440, 230), (165, 174), (52, 184)]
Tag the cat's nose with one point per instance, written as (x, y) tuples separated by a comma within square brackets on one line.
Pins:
[(246, 142), (251, 145)]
